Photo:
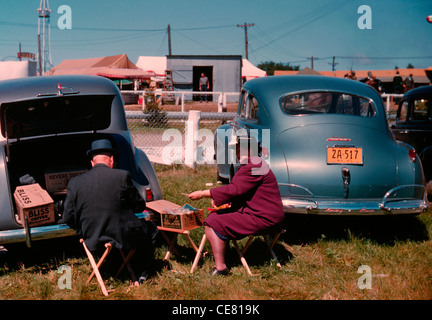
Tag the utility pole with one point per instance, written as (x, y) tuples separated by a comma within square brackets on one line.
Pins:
[(312, 60), (169, 40), (245, 26), (333, 64)]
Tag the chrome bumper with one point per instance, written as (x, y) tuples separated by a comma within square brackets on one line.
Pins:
[(388, 205), (36, 233), (43, 232)]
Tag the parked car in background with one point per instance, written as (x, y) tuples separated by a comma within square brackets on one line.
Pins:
[(47, 125), (413, 125), (328, 142)]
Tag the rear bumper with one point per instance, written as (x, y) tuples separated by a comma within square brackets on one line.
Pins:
[(44, 232), (36, 233), (388, 205)]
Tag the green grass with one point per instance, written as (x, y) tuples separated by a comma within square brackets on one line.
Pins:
[(321, 257)]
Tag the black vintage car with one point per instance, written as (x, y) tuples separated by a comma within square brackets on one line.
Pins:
[(47, 125), (413, 125)]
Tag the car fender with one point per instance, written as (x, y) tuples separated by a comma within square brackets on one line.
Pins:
[(146, 168), (409, 172), (426, 159), (223, 152), (7, 219)]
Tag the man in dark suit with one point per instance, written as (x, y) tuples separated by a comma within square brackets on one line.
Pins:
[(100, 205)]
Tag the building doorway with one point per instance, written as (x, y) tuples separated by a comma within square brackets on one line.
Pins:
[(208, 71)]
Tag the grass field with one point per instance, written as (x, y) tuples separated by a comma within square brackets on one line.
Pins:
[(324, 258)]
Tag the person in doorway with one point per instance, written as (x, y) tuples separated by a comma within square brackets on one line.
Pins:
[(101, 204), (204, 85), (252, 200)]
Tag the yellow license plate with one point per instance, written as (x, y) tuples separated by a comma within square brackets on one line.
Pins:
[(344, 155)]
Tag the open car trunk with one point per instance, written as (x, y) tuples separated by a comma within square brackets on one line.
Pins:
[(48, 137), (51, 162)]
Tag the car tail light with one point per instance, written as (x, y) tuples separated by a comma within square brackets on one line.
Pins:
[(265, 152), (149, 195), (412, 155)]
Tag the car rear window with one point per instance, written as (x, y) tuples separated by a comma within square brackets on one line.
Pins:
[(327, 102)]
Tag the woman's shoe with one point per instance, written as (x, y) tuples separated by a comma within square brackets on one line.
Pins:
[(216, 272)]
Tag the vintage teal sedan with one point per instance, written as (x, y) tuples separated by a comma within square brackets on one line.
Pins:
[(328, 142)]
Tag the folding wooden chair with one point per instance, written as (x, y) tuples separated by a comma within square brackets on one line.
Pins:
[(242, 251), (269, 244), (96, 266), (198, 253)]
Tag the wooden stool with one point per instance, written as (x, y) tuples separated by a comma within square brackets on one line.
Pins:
[(199, 253), (96, 266), (269, 244), (242, 251)]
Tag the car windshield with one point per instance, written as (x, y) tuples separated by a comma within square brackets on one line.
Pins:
[(327, 102)]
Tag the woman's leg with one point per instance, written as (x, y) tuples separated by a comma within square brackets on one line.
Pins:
[(218, 247)]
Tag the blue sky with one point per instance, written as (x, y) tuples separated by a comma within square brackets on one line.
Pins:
[(288, 31)]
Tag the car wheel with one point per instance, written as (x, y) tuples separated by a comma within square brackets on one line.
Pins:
[(223, 180)]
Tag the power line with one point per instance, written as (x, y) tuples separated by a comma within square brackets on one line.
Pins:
[(198, 42), (32, 25), (382, 58), (312, 17), (275, 45), (264, 39), (206, 28)]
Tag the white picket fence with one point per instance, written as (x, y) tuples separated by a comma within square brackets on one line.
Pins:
[(182, 140), (180, 96)]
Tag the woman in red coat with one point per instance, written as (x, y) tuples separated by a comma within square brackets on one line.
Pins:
[(255, 205)]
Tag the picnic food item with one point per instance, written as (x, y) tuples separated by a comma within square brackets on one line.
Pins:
[(221, 207)]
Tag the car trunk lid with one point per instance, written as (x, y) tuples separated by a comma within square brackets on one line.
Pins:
[(49, 115), (323, 160)]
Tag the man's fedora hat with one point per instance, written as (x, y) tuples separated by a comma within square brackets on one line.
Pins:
[(100, 147)]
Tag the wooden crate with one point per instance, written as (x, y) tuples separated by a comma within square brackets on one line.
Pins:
[(172, 218), (34, 203)]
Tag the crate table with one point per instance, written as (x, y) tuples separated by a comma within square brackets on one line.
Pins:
[(170, 232)]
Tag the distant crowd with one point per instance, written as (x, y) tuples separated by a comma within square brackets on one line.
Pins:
[(399, 85)]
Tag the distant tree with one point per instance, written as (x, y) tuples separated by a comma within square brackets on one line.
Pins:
[(271, 66), (410, 66)]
